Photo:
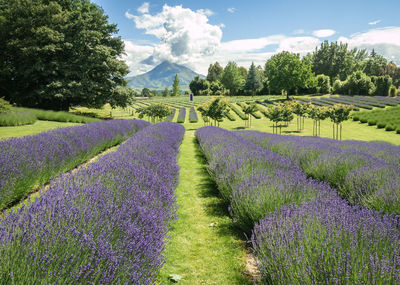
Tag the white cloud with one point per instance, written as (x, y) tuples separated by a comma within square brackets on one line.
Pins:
[(144, 8), (231, 10), (374, 22), (129, 15), (385, 41), (323, 33), (222, 25), (300, 45), (206, 12), (184, 35), (134, 55)]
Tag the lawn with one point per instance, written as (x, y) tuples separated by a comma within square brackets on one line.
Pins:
[(37, 127)]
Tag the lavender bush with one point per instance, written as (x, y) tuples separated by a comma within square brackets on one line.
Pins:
[(328, 242), (31, 161), (253, 180), (193, 118), (363, 172), (104, 224), (181, 115)]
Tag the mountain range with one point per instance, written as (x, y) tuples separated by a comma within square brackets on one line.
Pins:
[(162, 76)]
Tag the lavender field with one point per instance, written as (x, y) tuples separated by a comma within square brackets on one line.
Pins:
[(103, 224), (318, 211)]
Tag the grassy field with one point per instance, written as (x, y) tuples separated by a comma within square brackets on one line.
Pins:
[(37, 127), (204, 245)]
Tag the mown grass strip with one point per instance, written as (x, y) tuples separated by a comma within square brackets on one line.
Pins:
[(204, 245)]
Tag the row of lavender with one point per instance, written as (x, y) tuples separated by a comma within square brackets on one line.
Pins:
[(365, 173), (302, 232), (32, 161), (105, 223)]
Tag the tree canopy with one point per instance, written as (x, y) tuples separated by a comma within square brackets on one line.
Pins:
[(55, 54), (232, 78), (253, 80), (176, 86), (285, 71)]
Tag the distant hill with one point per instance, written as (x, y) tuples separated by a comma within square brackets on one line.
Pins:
[(162, 76)]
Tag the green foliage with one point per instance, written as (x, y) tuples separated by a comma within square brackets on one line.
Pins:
[(146, 92), (249, 110), (388, 118), (4, 106), (175, 86), (338, 114), (358, 83), (375, 65), (336, 60), (232, 78), (199, 86), (156, 112), (253, 80), (216, 88), (60, 116), (323, 84), (216, 109), (285, 72), (57, 54), (214, 72), (165, 92), (382, 84), (392, 91), (17, 118)]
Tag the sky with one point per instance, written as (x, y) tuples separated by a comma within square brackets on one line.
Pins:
[(198, 33)]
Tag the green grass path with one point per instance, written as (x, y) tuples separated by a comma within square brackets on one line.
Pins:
[(204, 246)]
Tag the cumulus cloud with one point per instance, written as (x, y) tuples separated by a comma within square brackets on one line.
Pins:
[(134, 56), (374, 22), (184, 34), (231, 10), (324, 33), (144, 8), (206, 12), (385, 41), (129, 15)]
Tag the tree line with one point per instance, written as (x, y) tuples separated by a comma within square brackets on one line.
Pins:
[(332, 68)]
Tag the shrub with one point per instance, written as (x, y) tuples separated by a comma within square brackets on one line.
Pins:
[(363, 120), (4, 106), (390, 127), (47, 115), (17, 118), (372, 122), (323, 84), (181, 115), (392, 91), (381, 125)]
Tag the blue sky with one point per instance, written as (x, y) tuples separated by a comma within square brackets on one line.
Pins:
[(197, 33)]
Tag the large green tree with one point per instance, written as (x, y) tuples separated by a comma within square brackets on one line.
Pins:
[(55, 54), (214, 72), (336, 60), (253, 80), (375, 65), (285, 72), (232, 78)]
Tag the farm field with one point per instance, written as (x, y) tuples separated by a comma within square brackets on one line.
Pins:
[(205, 243)]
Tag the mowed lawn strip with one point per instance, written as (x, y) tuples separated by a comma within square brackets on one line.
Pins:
[(204, 247)]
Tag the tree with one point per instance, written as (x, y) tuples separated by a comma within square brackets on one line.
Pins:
[(56, 54), (375, 65), (323, 84), (336, 60), (274, 114), (317, 114), (156, 112), (216, 88), (382, 84), (199, 86), (300, 110), (253, 80), (249, 110), (165, 92), (215, 109), (146, 92), (175, 86), (214, 72), (339, 114), (231, 78), (358, 83), (285, 71), (4, 106)]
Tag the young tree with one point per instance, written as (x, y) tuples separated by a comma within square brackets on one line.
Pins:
[(317, 114), (156, 112), (165, 92), (176, 86), (338, 114), (253, 80), (285, 72), (214, 72), (249, 110), (215, 110), (56, 54), (231, 78), (300, 110), (274, 114)]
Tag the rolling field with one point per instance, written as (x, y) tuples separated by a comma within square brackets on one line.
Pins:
[(222, 206)]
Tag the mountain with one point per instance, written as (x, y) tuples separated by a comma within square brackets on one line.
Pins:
[(162, 76)]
